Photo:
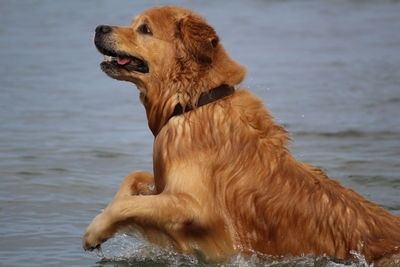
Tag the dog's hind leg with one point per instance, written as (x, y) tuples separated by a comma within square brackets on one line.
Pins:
[(137, 183), (389, 261)]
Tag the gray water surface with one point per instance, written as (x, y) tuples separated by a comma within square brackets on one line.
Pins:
[(329, 71)]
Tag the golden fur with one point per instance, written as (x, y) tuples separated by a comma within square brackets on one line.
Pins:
[(225, 181)]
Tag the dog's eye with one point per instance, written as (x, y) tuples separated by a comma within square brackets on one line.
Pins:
[(144, 28)]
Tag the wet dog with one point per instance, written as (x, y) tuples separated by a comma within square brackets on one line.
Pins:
[(224, 179)]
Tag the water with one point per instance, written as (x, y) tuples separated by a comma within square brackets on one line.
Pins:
[(328, 70)]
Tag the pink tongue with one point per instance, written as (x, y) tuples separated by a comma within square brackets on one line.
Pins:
[(123, 61)]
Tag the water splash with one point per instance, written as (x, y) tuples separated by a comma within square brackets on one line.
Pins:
[(361, 259), (132, 250)]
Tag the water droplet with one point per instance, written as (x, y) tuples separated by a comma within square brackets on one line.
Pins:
[(150, 187)]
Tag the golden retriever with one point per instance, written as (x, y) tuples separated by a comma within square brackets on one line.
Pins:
[(224, 179)]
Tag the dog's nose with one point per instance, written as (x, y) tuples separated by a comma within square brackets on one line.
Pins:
[(103, 29)]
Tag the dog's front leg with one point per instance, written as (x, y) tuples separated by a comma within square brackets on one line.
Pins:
[(136, 183), (164, 211)]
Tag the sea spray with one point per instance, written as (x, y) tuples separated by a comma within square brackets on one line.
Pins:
[(131, 250)]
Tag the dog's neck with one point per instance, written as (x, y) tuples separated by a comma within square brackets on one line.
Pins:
[(159, 105), (163, 108), (205, 98), (165, 100)]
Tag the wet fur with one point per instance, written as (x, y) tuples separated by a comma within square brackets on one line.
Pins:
[(225, 181)]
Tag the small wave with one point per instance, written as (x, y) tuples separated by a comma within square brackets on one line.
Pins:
[(347, 134), (394, 100), (57, 169), (131, 250), (106, 154), (28, 157), (28, 173)]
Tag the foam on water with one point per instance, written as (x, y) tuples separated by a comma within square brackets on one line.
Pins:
[(132, 250)]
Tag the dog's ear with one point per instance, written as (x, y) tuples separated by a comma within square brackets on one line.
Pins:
[(199, 39)]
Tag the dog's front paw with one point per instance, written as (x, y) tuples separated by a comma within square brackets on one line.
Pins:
[(97, 233)]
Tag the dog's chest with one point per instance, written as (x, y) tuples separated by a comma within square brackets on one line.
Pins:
[(165, 155)]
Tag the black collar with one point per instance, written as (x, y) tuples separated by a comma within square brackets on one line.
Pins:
[(205, 98)]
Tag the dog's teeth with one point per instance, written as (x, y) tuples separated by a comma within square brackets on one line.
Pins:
[(107, 58)]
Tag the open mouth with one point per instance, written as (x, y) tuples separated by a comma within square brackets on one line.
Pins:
[(123, 61)]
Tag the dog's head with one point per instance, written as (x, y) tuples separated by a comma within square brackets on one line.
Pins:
[(171, 54), (164, 44)]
